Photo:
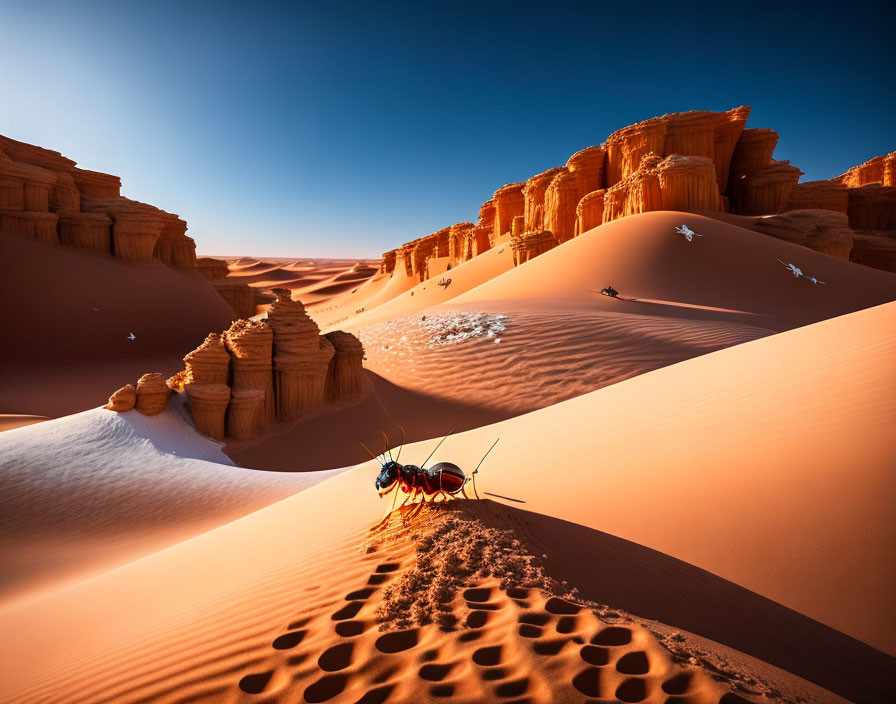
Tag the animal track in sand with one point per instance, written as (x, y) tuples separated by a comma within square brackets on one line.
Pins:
[(632, 690), (336, 658), (289, 640), (512, 688), (348, 611), (613, 635), (349, 629), (325, 688), (549, 647), (397, 641), (436, 672), (489, 656), (561, 607), (255, 683), (635, 663), (477, 619), (529, 631), (596, 655)]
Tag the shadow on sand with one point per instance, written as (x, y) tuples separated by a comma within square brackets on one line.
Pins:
[(653, 585)]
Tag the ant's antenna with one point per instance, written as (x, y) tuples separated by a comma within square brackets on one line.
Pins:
[(422, 466), (400, 447), (386, 438), (370, 453), (475, 471)]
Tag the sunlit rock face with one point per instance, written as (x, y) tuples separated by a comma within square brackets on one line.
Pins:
[(590, 211), (57, 202), (509, 203)]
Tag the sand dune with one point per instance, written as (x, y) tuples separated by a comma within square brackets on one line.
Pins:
[(514, 340), (112, 487), (747, 443), (72, 312)]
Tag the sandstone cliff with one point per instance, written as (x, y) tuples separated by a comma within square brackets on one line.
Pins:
[(45, 196)]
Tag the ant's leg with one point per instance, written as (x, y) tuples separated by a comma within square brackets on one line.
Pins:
[(394, 499), (475, 491)]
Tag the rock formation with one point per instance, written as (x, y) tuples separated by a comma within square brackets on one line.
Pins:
[(767, 190), (533, 199), (876, 249), (819, 195), (152, 394), (242, 414), (880, 169), (122, 400), (212, 269), (560, 201), (587, 166), (209, 363), (344, 372), (824, 231), (208, 406), (301, 358), (509, 203), (250, 343), (530, 244), (45, 196), (590, 211), (872, 207), (240, 297), (86, 231)]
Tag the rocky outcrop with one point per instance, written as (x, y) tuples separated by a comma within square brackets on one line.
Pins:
[(533, 199), (460, 242), (530, 244), (697, 161), (86, 231), (487, 214), (509, 203), (36, 226), (752, 153), (212, 269), (766, 191), (152, 394), (726, 136), (875, 249), (209, 363), (819, 195), (208, 406), (240, 297), (560, 201), (628, 146), (122, 400), (345, 368), (590, 211), (301, 358), (880, 169), (824, 231), (242, 413), (872, 207), (59, 202), (587, 166), (387, 265), (688, 183), (250, 343), (173, 247)]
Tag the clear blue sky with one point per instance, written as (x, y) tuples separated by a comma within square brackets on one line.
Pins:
[(345, 129)]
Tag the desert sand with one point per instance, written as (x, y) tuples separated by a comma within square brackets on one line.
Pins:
[(613, 510), (682, 494)]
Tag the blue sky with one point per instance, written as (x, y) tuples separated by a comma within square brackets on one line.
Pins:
[(345, 129)]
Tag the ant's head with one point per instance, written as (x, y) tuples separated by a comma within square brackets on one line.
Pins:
[(388, 475)]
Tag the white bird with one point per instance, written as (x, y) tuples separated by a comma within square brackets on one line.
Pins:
[(688, 233), (813, 279), (794, 269), (132, 337)]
